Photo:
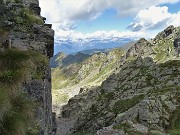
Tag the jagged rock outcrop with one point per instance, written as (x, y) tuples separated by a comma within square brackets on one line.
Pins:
[(23, 29), (141, 98), (162, 48)]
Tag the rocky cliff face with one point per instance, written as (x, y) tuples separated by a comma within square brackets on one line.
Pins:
[(22, 30), (141, 98)]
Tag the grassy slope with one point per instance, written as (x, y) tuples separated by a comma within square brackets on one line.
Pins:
[(16, 110), (106, 65), (63, 77)]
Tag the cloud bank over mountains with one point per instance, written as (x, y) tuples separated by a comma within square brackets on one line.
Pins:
[(72, 41), (100, 35)]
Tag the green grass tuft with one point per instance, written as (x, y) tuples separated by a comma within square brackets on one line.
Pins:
[(16, 109), (123, 126), (123, 105), (85, 133), (175, 122), (27, 17)]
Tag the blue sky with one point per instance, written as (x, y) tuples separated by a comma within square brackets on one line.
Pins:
[(173, 8), (85, 19), (107, 21)]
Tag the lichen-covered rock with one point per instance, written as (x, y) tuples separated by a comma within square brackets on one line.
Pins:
[(22, 28), (25, 30)]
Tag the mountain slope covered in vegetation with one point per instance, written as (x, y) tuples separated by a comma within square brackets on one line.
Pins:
[(140, 97)]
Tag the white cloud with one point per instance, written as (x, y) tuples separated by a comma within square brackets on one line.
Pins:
[(70, 11), (75, 36), (154, 17), (64, 14)]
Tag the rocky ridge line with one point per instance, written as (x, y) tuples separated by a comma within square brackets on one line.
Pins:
[(141, 98)]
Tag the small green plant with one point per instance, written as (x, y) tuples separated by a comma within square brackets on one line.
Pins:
[(27, 17), (106, 96), (175, 122), (94, 109), (171, 64), (174, 132), (123, 105), (127, 128), (162, 90), (154, 133), (122, 126), (18, 1), (135, 133), (3, 31), (84, 133)]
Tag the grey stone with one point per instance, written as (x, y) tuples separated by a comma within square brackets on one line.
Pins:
[(35, 37)]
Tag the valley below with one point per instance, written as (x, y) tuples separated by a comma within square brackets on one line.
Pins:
[(103, 82), (120, 92)]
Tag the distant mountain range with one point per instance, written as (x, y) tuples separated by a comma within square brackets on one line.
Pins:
[(91, 51), (70, 46), (62, 59), (80, 68)]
